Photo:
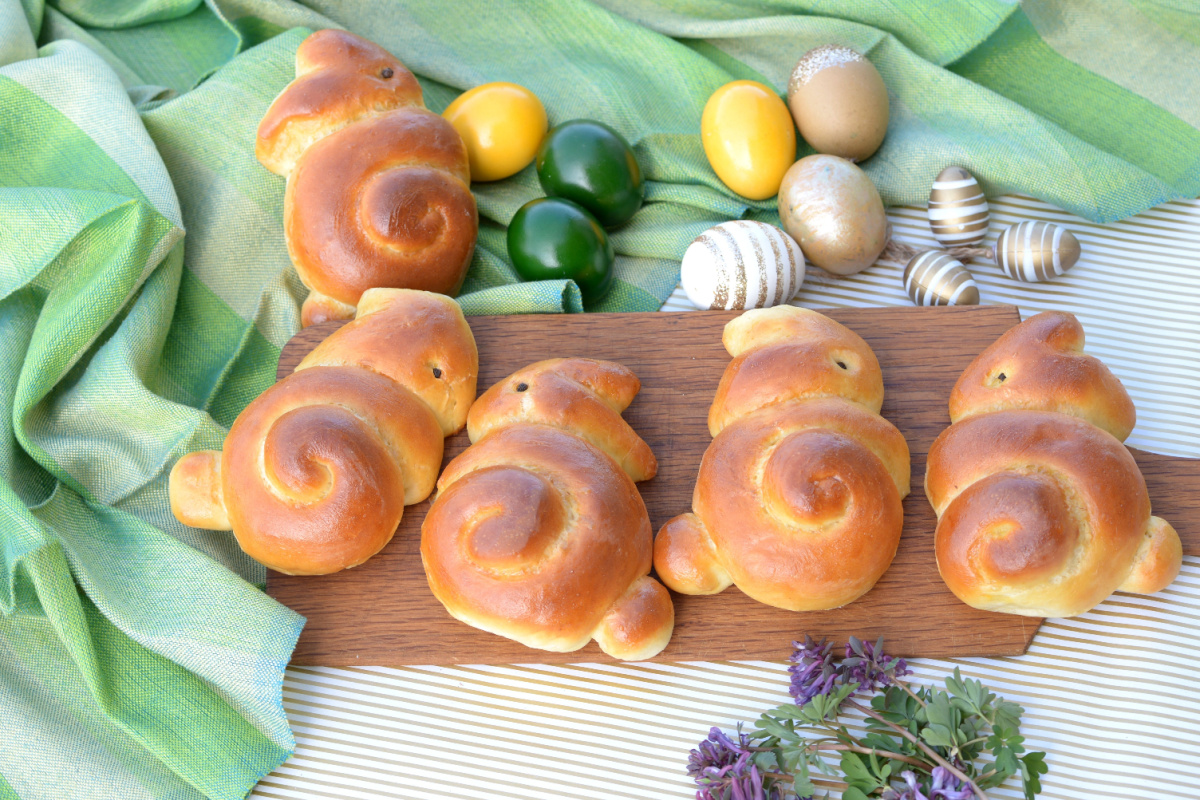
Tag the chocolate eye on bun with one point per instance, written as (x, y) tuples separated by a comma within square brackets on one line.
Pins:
[(839, 102)]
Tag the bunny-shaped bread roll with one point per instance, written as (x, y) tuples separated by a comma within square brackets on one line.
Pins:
[(798, 501), (1041, 510), (378, 190), (537, 532), (315, 473)]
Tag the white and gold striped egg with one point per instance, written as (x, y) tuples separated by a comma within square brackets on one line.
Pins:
[(742, 264), (1036, 251), (936, 278), (958, 210)]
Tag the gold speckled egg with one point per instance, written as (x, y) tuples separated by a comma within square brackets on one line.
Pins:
[(958, 210), (748, 137), (742, 264), (839, 102), (1036, 251), (935, 278), (831, 208)]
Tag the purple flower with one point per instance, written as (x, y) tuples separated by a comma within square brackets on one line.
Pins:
[(912, 790), (717, 752), (942, 786), (866, 664), (723, 769), (812, 669)]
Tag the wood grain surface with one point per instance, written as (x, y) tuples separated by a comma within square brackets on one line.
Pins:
[(382, 613)]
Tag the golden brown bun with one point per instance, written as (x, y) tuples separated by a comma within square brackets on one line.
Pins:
[(1158, 561), (383, 202), (1041, 514), (1044, 368), (315, 473), (339, 80), (196, 493), (1041, 510), (686, 560), (579, 395), (420, 340), (318, 308), (798, 501), (378, 191), (800, 505), (787, 353), (539, 535)]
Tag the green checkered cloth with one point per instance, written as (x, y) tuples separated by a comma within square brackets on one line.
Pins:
[(139, 658)]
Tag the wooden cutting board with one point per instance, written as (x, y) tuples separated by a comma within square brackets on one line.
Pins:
[(382, 613)]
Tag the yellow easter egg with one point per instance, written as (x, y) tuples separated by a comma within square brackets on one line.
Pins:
[(502, 125), (749, 138)]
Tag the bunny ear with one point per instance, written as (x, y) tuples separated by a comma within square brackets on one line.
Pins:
[(420, 340), (340, 78), (785, 354), (333, 48), (1040, 365), (582, 396)]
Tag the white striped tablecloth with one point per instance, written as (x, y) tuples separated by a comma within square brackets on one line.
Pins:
[(1112, 696)]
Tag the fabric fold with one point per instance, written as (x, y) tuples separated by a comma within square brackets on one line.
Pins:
[(146, 288)]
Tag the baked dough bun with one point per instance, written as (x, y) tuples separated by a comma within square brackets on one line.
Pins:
[(537, 532), (1042, 511), (378, 191), (798, 501), (315, 473)]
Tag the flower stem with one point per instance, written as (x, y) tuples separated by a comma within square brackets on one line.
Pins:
[(911, 693), (929, 751), (866, 751)]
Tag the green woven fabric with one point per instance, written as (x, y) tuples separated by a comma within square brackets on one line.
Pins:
[(138, 658)]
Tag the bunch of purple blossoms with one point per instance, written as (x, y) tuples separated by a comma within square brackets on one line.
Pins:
[(866, 665), (724, 770), (942, 786), (957, 755), (812, 669), (814, 672)]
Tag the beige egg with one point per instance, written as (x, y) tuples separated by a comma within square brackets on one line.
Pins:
[(839, 102), (742, 264), (935, 278), (1035, 251), (958, 211), (833, 211)]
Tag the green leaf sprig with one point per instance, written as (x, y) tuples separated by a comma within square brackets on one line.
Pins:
[(922, 742)]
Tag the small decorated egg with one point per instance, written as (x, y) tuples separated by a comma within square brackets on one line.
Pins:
[(501, 124), (958, 211), (1036, 251), (748, 138), (839, 102), (935, 278), (742, 264), (833, 211)]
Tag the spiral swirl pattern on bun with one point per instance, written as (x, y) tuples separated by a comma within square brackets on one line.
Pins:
[(378, 191), (538, 532), (1041, 510), (798, 501), (315, 473)]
